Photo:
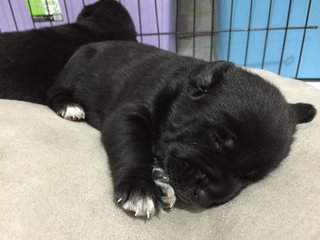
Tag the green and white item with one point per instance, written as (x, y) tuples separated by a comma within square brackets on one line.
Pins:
[(44, 10)]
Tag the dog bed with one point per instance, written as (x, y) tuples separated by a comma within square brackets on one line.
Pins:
[(55, 184)]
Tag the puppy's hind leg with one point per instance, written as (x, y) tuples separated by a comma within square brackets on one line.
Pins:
[(60, 96)]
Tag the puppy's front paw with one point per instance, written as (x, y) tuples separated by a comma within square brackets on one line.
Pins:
[(139, 202)]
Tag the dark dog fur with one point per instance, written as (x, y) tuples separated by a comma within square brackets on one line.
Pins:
[(30, 60), (215, 127)]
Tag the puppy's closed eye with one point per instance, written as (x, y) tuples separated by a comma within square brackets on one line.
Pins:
[(223, 138)]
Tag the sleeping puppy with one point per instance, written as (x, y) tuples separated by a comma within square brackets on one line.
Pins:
[(30, 60), (213, 127)]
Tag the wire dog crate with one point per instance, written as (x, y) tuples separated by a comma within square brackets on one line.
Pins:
[(278, 35)]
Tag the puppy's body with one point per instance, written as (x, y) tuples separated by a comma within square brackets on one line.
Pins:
[(215, 127), (30, 60)]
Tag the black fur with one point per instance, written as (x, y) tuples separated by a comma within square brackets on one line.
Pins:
[(214, 126), (30, 60)]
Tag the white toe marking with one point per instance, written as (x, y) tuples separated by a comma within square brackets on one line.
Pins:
[(168, 191), (157, 169), (162, 181), (72, 112), (142, 206), (158, 174)]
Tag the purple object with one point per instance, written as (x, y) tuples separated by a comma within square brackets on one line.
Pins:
[(14, 16)]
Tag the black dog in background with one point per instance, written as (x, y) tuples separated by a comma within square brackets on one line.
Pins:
[(30, 60), (214, 127)]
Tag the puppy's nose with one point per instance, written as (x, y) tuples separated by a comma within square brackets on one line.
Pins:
[(213, 194)]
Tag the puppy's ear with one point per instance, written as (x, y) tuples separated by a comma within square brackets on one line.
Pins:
[(204, 77), (303, 112)]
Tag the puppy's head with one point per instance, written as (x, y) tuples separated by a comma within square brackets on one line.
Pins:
[(108, 20), (227, 129)]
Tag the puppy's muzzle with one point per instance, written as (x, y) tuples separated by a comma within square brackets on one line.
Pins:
[(203, 189), (216, 192)]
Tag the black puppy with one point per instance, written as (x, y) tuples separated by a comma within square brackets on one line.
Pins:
[(30, 60), (214, 127)]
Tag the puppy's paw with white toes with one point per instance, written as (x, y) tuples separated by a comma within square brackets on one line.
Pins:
[(72, 112), (139, 205)]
